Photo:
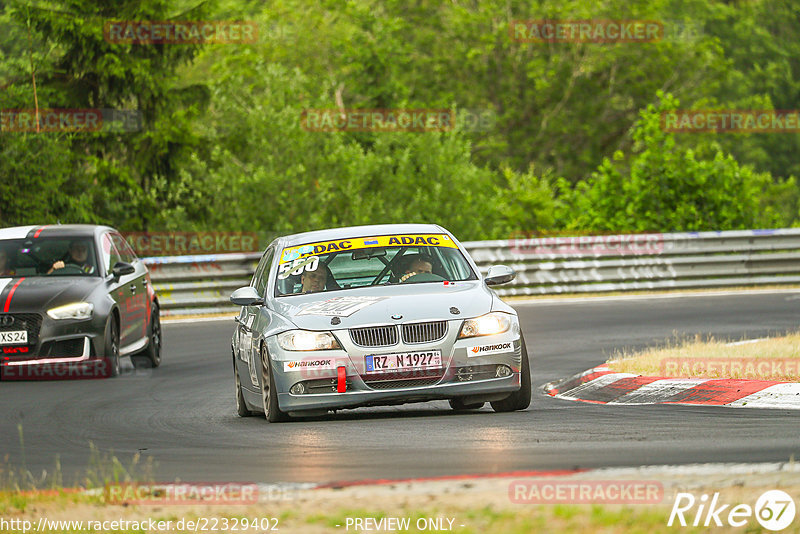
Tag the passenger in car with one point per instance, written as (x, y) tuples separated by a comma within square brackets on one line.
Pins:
[(5, 264)]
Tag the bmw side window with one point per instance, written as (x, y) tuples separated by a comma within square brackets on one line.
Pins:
[(257, 272), (262, 273)]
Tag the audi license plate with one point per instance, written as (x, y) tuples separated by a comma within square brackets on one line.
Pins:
[(18, 337), (404, 361)]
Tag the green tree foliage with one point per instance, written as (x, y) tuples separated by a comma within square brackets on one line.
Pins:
[(124, 178), (310, 180), (576, 142), (660, 187)]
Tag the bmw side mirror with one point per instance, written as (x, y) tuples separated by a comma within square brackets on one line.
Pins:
[(499, 274), (246, 296), (121, 268)]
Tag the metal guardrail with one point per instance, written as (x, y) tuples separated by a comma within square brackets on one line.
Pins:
[(200, 285), (544, 266)]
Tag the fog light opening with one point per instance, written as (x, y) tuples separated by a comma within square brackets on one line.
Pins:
[(503, 371), (464, 374), (298, 389)]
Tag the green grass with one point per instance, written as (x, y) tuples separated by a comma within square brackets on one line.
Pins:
[(103, 468), (705, 358), (23, 495)]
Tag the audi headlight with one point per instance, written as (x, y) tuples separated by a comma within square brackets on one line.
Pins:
[(307, 340), (76, 310), (486, 325)]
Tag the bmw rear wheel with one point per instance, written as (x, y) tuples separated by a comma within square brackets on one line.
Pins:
[(241, 407)]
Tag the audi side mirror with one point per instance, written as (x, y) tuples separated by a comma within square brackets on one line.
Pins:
[(121, 268)]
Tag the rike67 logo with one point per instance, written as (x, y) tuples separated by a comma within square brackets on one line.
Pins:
[(774, 510)]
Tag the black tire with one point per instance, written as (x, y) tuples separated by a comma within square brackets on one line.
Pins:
[(241, 407), (151, 356), (111, 356), (458, 405), (521, 399), (269, 395)]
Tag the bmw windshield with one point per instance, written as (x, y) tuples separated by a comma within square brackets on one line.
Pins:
[(368, 261)]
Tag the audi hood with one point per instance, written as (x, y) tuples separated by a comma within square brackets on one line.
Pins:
[(38, 293)]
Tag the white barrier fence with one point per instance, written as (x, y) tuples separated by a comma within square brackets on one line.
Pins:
[(544, 265)]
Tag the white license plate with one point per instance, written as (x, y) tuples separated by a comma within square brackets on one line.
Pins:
[(18, 337), (404, 361)]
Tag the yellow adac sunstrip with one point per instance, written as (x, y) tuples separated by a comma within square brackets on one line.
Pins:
[(324, 247)]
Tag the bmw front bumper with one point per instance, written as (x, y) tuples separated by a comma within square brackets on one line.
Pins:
[(490, 373)]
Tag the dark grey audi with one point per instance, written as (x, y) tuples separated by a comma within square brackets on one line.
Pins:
[(74, 299)]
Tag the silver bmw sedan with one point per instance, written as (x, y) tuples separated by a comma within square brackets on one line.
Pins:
[(375, 315)]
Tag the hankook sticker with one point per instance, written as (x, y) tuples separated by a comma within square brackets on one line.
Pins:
[(299, 365), (483, 350)]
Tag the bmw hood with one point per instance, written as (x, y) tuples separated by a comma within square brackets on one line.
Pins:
[(386, 304), (40, 293)]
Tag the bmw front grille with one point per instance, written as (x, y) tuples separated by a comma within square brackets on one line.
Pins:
[(424, 332), (374, 336)]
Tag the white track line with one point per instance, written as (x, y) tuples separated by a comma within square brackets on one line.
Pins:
[(570, 300), (745, 342)]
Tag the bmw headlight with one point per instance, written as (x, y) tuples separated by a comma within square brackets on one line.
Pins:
[(486, 325), (76, 310), (307, 340)]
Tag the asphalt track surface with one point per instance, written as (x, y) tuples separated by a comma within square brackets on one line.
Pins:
[(182, 414)]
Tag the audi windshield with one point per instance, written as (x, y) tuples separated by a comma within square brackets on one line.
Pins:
[(65, 256)]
